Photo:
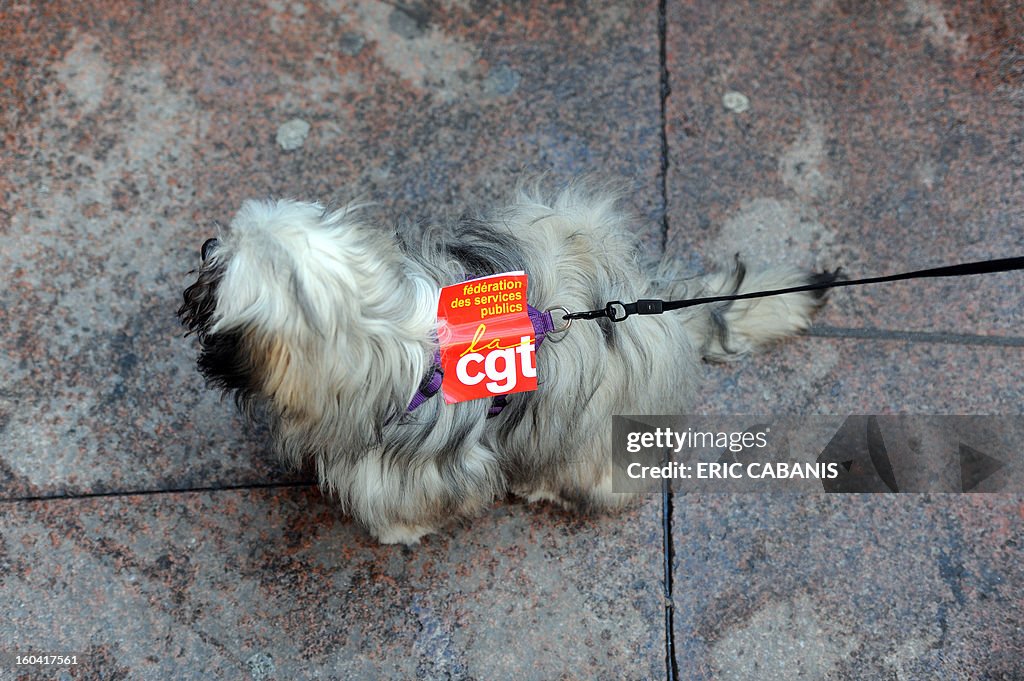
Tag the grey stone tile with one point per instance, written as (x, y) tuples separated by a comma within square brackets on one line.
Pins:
[(812, 375), (277, 585), (123, 147), (847, 586), (878, 138)]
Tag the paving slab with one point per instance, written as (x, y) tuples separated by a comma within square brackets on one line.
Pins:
[(876, 137), (275, 584), (131, 128), (814, 375), (848, 586)]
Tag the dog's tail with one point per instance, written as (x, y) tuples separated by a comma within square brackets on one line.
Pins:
[(739, 327)]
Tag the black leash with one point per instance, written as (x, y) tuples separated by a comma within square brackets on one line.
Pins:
[(654, 306)]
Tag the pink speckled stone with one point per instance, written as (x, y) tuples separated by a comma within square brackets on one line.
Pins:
[(122, 147), (879, 137), (221, 585)]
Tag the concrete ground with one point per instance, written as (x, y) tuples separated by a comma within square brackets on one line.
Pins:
[(146, 531)]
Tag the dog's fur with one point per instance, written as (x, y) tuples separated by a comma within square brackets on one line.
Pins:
[(329, 325)]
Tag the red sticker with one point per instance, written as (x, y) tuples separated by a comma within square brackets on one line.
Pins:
[(487, 341)]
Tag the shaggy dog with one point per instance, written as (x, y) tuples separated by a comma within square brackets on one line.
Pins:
[(327, 326)]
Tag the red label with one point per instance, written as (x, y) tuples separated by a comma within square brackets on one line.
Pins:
[(487, 342)]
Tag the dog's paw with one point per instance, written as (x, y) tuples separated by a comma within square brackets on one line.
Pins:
[(595, 498), (539, 495), (402, 534)]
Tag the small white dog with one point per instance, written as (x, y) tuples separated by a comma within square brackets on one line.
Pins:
[(329, 326)]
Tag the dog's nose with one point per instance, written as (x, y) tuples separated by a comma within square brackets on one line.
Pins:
[(208, 246)]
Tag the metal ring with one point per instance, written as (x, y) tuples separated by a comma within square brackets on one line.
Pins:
[(568, 322)]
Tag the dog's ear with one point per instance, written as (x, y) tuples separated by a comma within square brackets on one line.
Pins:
[(200, 301), (226, 357), (227, 362)]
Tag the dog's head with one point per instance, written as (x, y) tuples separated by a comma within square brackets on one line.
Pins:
[(312, 312)]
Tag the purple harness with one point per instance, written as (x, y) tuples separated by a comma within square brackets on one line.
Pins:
[(542, 325)]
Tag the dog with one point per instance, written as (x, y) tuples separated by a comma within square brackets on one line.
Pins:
[(326, 326)]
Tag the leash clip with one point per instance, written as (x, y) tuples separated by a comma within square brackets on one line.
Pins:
[(611, 312), (641, 307)]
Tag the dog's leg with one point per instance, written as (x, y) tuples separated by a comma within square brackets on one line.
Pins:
[(583, 485), (399, 501), (739, 327)]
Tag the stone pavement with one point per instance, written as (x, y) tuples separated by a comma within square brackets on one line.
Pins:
[(145, 530)]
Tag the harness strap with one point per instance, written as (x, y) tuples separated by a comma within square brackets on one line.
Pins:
[(430, 385)]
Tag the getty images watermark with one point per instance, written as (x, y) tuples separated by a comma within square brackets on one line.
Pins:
[(819, 453)]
